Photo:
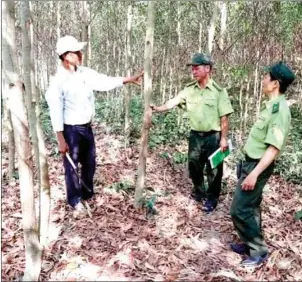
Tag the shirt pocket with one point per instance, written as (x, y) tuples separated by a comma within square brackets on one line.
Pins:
[(259, 130), (210, 103), (210, 109), (192, 104)]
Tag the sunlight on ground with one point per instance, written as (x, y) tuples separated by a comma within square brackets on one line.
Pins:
[(54, 231), (166, 225), (195, 243)]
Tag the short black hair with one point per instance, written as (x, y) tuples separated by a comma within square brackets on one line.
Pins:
[(62, 56), (283, 86)]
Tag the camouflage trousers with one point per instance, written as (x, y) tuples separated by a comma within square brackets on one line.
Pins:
[(200, 148), (245, 209)]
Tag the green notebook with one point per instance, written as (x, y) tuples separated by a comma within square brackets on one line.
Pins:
[(217, 157)]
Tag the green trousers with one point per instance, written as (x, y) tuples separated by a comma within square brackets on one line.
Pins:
[(245, 209), (200, 148)]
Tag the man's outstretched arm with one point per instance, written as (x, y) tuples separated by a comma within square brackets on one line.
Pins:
[(167, 106)]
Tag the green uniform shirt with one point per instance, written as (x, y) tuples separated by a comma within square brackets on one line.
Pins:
[(271, 128), (205, 106)]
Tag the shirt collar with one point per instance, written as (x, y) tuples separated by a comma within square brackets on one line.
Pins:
[(269, 103), (209, 85), (64, 71)]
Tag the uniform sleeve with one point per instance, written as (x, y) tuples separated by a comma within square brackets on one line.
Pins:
[(224, 104), (102, 82), (276, 133), (54, 98), (182, 95)]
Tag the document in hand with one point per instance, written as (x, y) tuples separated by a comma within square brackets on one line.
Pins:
[(218, 156)]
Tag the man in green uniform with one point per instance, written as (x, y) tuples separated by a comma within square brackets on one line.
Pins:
[(208, 107), (265, 142)]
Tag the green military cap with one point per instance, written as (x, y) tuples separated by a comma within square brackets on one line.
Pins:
[(281, 72), (200, 59)]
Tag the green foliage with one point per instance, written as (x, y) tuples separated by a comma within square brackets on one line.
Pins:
[(16, 174), (167, 128), (122, 186), (180, 158), (289, 165), (45, 121), (239, 72), (298, 215), (290, 17)]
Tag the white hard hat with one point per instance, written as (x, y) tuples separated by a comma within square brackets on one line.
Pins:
[(69, 43)]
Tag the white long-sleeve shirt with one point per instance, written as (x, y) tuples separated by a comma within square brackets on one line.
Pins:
[(70, 95)]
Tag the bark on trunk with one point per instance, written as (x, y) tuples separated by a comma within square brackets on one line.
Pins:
[(26, 60), (147, 112), (10, 75), (128, 72), (33, 251), (211, 28)]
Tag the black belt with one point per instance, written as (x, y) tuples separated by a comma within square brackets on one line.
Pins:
[(248, 159), (80, 125), (205, 133)]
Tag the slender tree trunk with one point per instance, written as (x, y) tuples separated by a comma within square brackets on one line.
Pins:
[(26, 60), (147, 112), (86, 30), (9, 76), (33, 253), (58, 27), (128, 71), (256, 85), (247, 102), (171, 83), (58, 14), (44, 193), (178, 28), (200, 28), (7, 121), (241, 114), (161, 85), (11, 147), (223, 21), (212, 27)]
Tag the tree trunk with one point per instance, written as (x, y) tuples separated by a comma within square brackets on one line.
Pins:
[(58, 27), (147, 97), (211, 28), (86, 30), (128, 71), (44, 193), (241, 114), (200, 39), (256, 86), (10, 64), (58, 20), (247, 103), (26, 61), (11, 147), (33, 253), (223, 21), (178, 28)]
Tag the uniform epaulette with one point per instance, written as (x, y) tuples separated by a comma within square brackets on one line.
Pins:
[(190, 83), (275, 108), (219, 88)]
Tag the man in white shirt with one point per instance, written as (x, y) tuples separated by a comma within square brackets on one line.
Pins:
[(71, 103)]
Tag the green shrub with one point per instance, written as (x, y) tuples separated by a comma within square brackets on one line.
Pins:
[(289, 165)]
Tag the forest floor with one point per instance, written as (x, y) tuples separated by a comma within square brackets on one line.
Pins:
[(180, 242)]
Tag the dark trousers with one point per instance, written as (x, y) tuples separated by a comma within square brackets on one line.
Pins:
[(245, 209), (200, 148), (80, 140)]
